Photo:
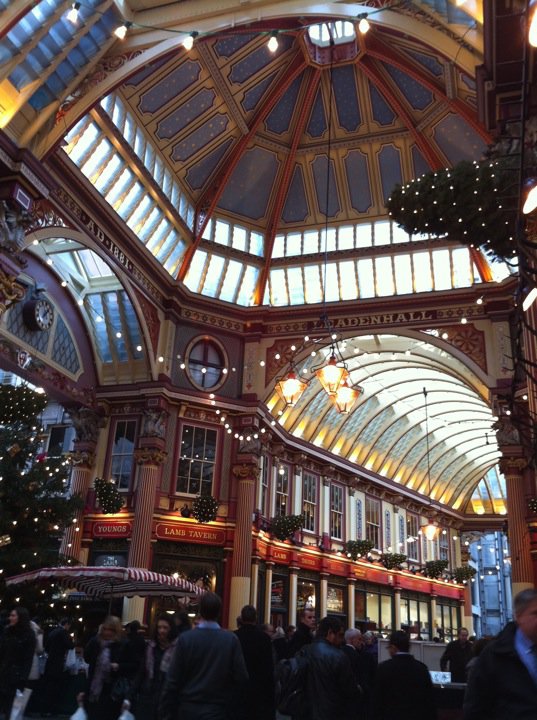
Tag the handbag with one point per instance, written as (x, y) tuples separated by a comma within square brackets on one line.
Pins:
[(125, 712), (121, 689), (19, 704), (79, 714)]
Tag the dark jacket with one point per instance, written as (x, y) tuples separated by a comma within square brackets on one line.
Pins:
[(332, 690), (403, 690), (206, 674), (259, 691), (455, 659), (500, 687), (17, 647), (57, 644), (302, 636)]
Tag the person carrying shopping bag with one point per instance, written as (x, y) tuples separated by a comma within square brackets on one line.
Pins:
[(17, 646)]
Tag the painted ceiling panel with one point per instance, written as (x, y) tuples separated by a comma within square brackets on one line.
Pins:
[(256, 93), (172, 85), (346, 98), (430, 62), (317, 124), (391, 174), (227, 47), (421, 166), (249, 188), (357, 169), (280, 118), (327, 194), (255, 61), (173, 123), (418, 96), (457, 140), (382, 112), (199, 173), (296, 206), (199, 138)]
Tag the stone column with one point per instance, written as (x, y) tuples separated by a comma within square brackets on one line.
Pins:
[(82, 460), (432, 629), (521, 564), (324, 595), (255, 583), (293, 596), (397, 608), (247, 475), (268, 591), (351, 601)]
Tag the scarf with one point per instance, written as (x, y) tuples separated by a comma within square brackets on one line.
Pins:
[(102, 672)]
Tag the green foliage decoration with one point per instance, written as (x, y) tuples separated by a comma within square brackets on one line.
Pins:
[(463, 574), (108, 496), (205, 508), (532, 505), (358, 548), (284, 526), (465, 202), (435, 568), (392, 561)]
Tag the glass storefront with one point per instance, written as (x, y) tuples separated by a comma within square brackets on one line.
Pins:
[(374, 608), (415, 615)]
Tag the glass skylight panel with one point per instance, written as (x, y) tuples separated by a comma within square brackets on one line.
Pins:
[(214, 275), (166, 246), (442, 269), (173, 262), (296, 285), (384, 276), (366, 280), (208, 230), (328, 240), (158, 236), (239, 238), (257, 244), (330, 282), (346, 237), (312, 281), (137, 218), (382, 232), (423, 281), (311, 241), (364, 235), (120, 186), (94, 265), (195, 271), (403, 274), (89, 134), (130, 202), (294, 244), (349, 286), (278, 287), (150, 222), (278, 250), (462, 270), (221, 232), (110, 170), (231, 281), (249, 281)]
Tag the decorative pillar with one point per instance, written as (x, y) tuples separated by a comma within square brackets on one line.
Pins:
[(323, 600), (293, 596), (351, 601), (268, 592), (255, 583), (522, 576), (87, 424), (432, 627), (397, 608), (247, 475), (82, 460)]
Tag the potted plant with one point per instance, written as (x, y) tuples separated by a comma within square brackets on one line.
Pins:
[(435, 568), (464, 573), (108, 496), (358, 548), (205, 508), (392, 561), (284, 526)]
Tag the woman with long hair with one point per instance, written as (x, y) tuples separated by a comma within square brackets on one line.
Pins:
[(103, 655), (157, 661), (17, 645)]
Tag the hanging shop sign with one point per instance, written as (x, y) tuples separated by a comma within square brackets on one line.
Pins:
[(190, 533), (111, 529)]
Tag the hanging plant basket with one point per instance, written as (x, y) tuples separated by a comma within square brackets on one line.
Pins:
[(358, 548), (205, 508), (463, 574), (108, 496), (532, 505), (284, 526), (392, 561), (435, 568)]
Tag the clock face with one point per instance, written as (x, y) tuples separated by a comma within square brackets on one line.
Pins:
[(38, 314)]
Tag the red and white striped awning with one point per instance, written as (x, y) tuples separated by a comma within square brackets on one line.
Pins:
[(111, 582)]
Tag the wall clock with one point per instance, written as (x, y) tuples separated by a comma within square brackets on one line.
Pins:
[(38, 314)]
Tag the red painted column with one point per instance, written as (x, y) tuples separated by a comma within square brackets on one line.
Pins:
[(241, 562), (522, 575)]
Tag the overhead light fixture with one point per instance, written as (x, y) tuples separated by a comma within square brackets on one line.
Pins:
[(273, 41), (529, 299), (121, 31), (345, 397), (430, 529), (530, 202), (532, 34), (188, 42), (72, 15), (290, 388), (363, 25), (332, 374)]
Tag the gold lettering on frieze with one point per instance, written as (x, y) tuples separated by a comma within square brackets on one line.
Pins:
[(150, 456)]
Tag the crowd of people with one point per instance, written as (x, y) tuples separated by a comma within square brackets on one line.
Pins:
[(207, 673)]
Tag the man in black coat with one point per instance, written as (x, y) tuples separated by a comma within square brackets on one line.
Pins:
[(403, 688), (503, 682), (207, 672), (456, 656), (363, 666), (258, 698), (303, 634), (331, 688), (57, 643)]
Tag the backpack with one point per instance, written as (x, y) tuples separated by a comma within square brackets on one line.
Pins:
[(290, 692)]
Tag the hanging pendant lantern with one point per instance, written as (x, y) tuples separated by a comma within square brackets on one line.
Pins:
[(346, 396), (332, 375), (290, 388)]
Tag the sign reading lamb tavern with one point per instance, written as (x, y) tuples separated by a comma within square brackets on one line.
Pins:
[(190, 533)]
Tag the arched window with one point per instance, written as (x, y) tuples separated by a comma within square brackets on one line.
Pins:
[(206, 366)]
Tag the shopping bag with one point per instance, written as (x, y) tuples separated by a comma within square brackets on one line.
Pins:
[(125, 711), (19, 704), (79, 714), (71, 662)]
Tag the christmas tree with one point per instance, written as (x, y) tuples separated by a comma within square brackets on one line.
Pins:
[(34, 507)]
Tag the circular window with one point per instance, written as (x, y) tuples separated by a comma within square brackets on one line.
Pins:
[(206, 363)]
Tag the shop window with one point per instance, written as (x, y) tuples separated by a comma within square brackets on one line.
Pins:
[(60, 440), (335, 600), (282, 491), (359, 519), (412, 537), (206, 366), (442, 544), (122, 457), (336, 511), (197, 461), (306, 594), (309, 500), (372, 521)]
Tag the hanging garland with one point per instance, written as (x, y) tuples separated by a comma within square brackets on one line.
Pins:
[(108, 496), (284, 526), (435, 568), (471, 203), (463, 574), (358, 548), (205, 508), (392, 561)]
